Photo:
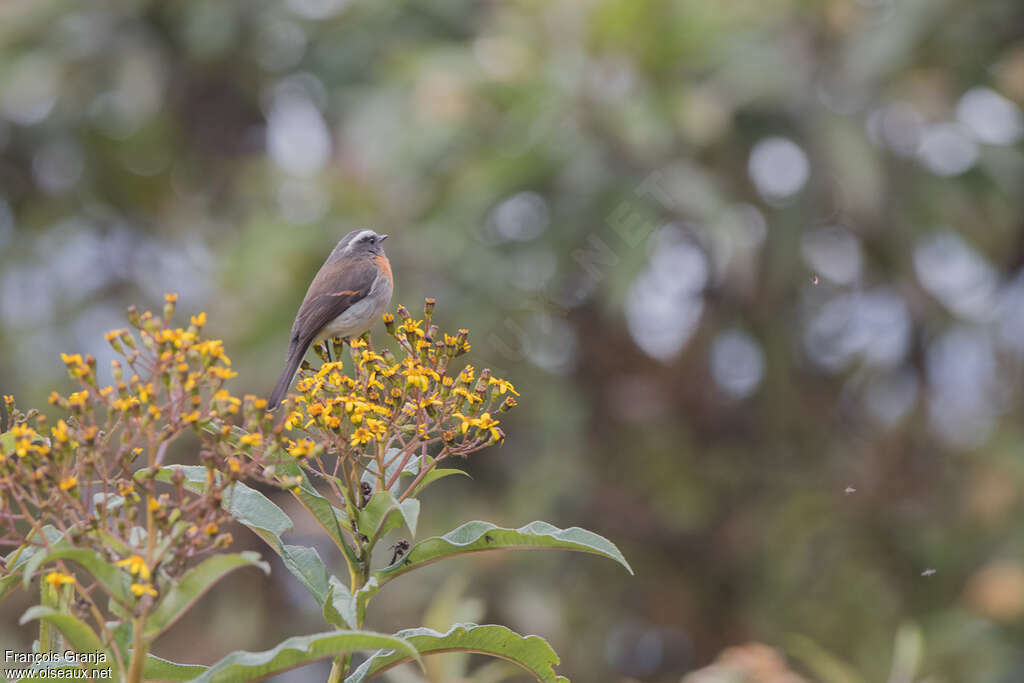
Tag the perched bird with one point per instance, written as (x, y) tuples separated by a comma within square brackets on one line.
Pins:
[(349, 292)]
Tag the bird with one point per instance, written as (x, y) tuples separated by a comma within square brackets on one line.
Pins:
[(352, 289)]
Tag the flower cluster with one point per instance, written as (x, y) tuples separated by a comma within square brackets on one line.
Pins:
[(387, 410), (92, 477)]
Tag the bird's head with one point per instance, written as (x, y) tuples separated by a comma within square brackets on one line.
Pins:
[(358, 243)]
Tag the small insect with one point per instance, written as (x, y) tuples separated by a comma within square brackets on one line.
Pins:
[(928, 572), (487, 537), (400, 548), (366, 490), (849, 489)]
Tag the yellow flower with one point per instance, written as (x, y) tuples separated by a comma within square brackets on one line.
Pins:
[(213, 348), (60, 432), (412, 327), (55, 398), (469, 396), (419, 375), (300, 448), (140, 589), (504, 386), (466, 422), (486, 423), (57, 579), (154, 412), (234, 465), (293, 418), (378, 427), (145, 392), (251, 439), (193, 377), (76, 366), (18, 431), (361, 436), (171, 298), (189, 418), (198, 320), (78, 398), (68, 483), (211, 529), (125, 404), (231, 402), (135, 565)]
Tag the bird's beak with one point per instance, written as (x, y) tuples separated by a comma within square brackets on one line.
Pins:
[(383, 237)]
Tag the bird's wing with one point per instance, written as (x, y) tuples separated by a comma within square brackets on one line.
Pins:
[(331, 294)]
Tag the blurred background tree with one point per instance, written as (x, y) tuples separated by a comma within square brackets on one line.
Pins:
[(752, 265)]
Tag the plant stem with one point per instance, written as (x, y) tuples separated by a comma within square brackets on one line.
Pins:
[(49, 638), (138, 649), (359, 573)]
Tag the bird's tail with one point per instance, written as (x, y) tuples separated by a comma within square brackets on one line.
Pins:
[(295, 354)]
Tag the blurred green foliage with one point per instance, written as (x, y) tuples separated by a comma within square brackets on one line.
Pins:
[(752, 265)]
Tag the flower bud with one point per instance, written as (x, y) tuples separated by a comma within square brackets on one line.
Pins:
[(389, 323), (133, 317), (428, 306), (169, 301), (403, 313)]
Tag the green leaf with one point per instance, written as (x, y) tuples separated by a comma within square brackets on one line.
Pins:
[(384, 513), (268, 521), (193, 585), (532, 653), (329, 517), (299, 651), (474, 537), (78, 633), (411, 469), (157, 669), (24, 553), (339, 608), (114, 580), (9, 583), (434, 475), (307, 566)]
